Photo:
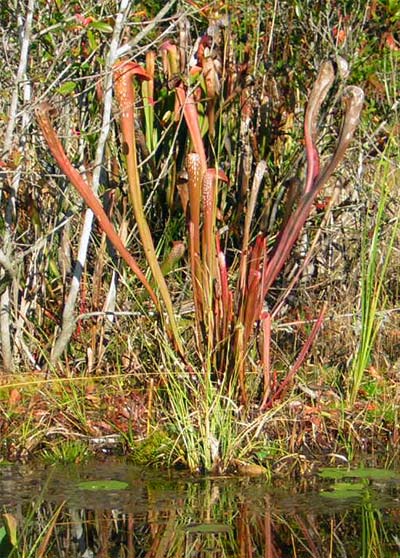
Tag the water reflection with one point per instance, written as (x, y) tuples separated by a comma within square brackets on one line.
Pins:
[(160, 516)]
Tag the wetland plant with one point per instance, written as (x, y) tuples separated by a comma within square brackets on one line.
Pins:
[(232, 325)]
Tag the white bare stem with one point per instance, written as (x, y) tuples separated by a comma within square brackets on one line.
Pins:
[(128, 47), (20, 79), (7, 263), (68, 322)]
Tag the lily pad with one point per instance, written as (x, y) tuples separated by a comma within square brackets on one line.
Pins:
[(361, 473), (332, 473), (374, 474), (102, 485)]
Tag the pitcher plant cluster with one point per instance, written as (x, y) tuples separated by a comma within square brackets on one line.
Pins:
[(233, 309)]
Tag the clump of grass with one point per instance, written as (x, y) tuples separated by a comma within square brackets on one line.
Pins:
[(203, 417), (66, 452), (377, 249)]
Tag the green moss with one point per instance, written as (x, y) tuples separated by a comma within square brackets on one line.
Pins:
[(154, 449)]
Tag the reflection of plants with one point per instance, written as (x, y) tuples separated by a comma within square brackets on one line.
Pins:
[(373, 535), (179, 516), (30, 533)]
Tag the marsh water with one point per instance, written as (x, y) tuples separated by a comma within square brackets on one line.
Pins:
[(114, 509)]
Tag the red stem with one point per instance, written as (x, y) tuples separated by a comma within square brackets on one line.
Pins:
[(57, 150)]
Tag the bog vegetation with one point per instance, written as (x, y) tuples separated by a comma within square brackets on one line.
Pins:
[(199, 230)]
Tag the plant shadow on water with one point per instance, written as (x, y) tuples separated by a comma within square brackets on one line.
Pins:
[(119, 510)]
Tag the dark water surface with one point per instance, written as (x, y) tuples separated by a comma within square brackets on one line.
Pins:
[(158, 515)]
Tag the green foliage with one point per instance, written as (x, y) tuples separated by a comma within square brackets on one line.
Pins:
[(66, 452), (360, 473), (203, 421), (102, 485), (155, 449), (374, 267)]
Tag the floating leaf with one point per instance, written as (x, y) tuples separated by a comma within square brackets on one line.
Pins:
[(102, 485), (333, 473), (67, 88), (374, 474), (362, 473)]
